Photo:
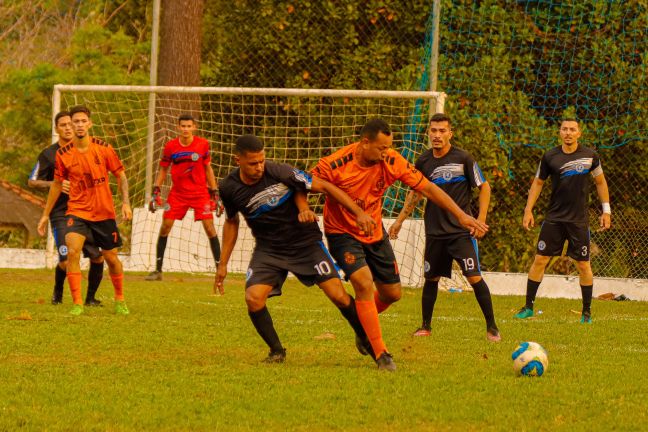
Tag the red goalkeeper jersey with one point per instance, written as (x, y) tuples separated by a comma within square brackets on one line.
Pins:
[(365, 185), (188, 164)]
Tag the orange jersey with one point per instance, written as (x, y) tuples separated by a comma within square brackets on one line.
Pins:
[(365, 185), (87, 172)]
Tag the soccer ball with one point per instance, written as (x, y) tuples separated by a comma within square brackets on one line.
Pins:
[(530, 359)]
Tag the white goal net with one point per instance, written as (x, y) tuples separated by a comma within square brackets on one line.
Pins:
[(298, 126)]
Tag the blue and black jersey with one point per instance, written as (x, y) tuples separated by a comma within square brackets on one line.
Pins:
[(569, 182), (269, 208), (44, 170), (456, 173)]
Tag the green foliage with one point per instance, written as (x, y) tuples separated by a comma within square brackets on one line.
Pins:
[(184, 360)]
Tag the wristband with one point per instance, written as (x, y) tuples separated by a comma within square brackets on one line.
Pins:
[(606, 208)]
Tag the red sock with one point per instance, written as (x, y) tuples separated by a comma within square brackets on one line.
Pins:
[(380, 305), (369, 318), (74, 279), (118, 284)]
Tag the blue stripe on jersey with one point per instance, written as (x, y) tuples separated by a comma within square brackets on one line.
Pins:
[(573, 173), (326, 251), (441, 180), (34, 173), (476, 247), (181, 155), (270, 206)]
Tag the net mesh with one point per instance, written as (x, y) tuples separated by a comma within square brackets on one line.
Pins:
[(296, 129)]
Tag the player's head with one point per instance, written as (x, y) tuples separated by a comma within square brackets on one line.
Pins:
[(80, 115), (375, 140), (63, 126), (249, 154), (569, 131), (186, 125), (440, 131)]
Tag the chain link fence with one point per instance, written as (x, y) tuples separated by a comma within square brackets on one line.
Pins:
[(511, 70)]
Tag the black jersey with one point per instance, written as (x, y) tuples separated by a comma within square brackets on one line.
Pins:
[(44, 170), (456, 173), (269, 208), (569, 182)]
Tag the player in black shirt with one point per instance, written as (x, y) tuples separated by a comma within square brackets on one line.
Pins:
[(41, 177), (456, 172), (263, 192), (567, 216)]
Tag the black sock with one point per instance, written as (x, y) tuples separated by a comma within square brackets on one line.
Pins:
[(586, 290), (351, 314), (215, 248), (482, 293), (59, 280), (263, 323), (428, 299), (95, 275), (531, 292), (159, 256)]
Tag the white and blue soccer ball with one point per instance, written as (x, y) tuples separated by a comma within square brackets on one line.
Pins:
[(530, 359)]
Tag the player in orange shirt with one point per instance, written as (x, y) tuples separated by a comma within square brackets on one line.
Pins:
[(364, 170), (85, 163)]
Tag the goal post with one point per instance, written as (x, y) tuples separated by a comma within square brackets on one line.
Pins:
[(298, 126)]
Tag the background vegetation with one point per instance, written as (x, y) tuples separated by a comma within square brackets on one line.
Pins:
[(511, 70)]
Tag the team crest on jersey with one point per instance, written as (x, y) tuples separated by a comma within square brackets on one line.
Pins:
[(380, 184), (542, 245), (349, 258), (195, 156), (70, 222), (248, 274), (63, 250), (579, 168), (96, 160)]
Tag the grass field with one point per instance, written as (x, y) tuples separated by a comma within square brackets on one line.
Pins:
[(184, 360)]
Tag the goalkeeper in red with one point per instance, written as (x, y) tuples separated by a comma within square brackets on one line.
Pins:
[(193, 186)]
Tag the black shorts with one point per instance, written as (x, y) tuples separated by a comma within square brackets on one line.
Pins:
[(59, 228), (439, 253), (104, 233), (351, 255), (554, 234), (311, 264)]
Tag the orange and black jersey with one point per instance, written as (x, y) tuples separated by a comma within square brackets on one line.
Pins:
[(365, 185), (90, 195)]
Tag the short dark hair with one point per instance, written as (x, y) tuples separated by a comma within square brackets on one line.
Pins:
[(60, 115), (373, 127), (247, 144), (440, 117), (79, 109), (572, 119), (186, 117)]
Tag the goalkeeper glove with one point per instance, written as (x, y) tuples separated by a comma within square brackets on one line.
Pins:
[(215, 202), (156, 200)]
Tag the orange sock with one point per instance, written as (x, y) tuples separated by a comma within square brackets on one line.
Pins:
[(118, 284), (74, 279), (369, 318), (380, 305)]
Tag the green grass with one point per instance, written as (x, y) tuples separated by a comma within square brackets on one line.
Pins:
[(184, 360)]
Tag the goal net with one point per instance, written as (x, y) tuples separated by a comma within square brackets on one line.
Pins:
[(298, 127)]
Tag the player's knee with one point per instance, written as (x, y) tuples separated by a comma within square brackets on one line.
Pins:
[(473, 279), (391, 296), (254, 301), (73, 254), (541, 261)]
